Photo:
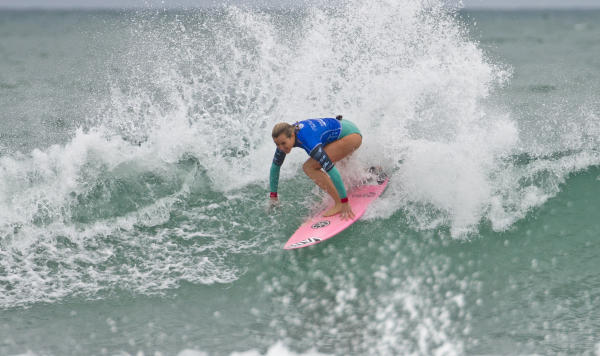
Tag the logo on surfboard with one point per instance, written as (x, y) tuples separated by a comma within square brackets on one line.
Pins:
[(305, 242), (320, 224), (364, 195)]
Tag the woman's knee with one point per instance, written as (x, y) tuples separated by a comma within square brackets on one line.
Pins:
[(310, 165)]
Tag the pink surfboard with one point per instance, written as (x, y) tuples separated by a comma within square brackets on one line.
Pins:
[(319, 228)]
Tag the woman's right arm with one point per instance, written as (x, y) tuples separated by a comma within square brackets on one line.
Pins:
[(274, 173)]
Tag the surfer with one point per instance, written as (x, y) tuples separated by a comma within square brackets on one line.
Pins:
[(326, 140)]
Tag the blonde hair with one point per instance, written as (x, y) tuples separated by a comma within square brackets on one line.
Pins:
[(282, 128)]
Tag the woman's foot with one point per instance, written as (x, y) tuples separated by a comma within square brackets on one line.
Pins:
[(334, 210), (340, 208)]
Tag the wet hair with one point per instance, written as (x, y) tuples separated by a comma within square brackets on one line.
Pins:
[(282, 128)]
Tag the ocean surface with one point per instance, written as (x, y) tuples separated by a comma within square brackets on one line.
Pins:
[(134, 157)]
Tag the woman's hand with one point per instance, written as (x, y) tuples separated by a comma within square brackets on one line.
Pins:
[(273, 204)]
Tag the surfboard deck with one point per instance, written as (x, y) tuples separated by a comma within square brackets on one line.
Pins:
[(319, 228)]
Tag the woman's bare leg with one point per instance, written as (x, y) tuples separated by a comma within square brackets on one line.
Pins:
[(336, 151)]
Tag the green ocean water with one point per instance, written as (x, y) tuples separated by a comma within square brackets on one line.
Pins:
[(134, 158)]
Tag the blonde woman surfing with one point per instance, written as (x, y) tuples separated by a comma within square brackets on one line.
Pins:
[(326, 140)]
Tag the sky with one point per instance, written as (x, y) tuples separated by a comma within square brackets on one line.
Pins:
[(503, 4)]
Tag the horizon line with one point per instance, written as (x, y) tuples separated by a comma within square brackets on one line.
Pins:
[(100, 7), (130, 5)]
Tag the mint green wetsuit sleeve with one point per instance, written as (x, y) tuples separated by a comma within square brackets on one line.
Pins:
[(335, 176), (274, 177)]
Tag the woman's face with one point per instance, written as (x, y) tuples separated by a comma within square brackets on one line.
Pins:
[(284, 143)]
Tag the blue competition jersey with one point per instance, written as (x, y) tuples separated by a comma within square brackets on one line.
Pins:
[(312, 136), (313, 132)]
